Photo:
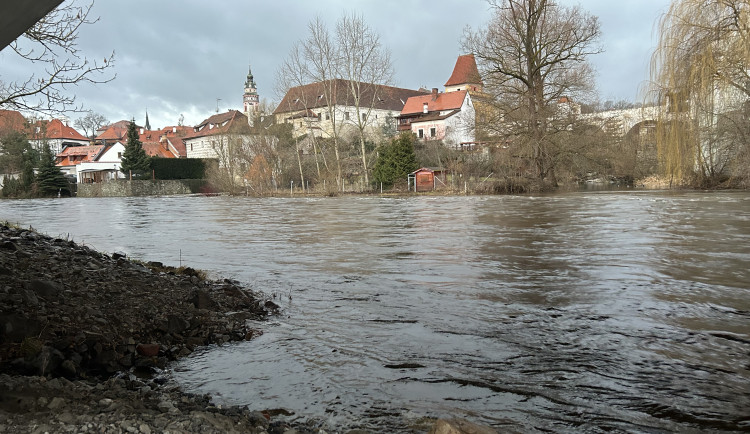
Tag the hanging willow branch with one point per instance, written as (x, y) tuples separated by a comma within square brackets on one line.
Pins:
[(700, 75)]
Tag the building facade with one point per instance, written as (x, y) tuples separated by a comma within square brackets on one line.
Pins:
[(325, 108)]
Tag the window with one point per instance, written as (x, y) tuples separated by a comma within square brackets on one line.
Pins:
[(328, 116), (119, 155), (346, 116), (420, 133), (433, 132), (364, 117)]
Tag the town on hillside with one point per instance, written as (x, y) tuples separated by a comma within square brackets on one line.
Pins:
[(310, 115), (505, 121)]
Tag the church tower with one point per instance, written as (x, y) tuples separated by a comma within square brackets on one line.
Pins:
[(250, 98)]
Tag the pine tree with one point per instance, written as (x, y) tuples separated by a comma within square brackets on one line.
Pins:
[(50, 181), (134, 158), (395, 161)]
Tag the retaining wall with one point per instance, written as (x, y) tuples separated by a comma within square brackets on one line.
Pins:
[(138, 188)]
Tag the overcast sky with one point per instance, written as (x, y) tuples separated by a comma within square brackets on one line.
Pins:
[(178, 57)]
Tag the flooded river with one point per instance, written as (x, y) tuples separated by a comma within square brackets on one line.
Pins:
[(584, 312)]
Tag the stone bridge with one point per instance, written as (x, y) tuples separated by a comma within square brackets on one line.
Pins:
[(624, 122)]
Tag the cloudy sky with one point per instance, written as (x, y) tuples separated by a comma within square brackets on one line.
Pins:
[(178, 57)]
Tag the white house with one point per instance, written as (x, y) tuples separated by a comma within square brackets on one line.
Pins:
[(449, 116), (105, 168), (213, 137)]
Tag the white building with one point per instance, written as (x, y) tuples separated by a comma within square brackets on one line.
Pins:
[(449, 116), (316, 108)]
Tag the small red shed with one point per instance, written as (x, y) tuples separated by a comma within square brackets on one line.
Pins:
[(425, 179)]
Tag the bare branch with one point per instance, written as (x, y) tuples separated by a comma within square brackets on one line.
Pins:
[(52, 43)]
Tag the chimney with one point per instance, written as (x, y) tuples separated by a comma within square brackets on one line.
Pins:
[(434, 94), (174, 129), (141, 130), (424, 108)]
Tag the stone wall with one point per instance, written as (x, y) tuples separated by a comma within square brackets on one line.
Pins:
[(135, 188)]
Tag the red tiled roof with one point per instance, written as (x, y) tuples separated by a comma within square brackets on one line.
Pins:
[(443, 101), (157, 149), (55, 129), (465, 71), (312, 96), (179, 145), (73, 155), (11, 120), (117, 131), (231, 121)]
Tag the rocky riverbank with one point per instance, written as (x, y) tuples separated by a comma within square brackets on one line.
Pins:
[(84, 335)]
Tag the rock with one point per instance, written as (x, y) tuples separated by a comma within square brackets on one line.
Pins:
[(148, 350), (164, 406), (14, 328), (66, 417), (69, 368), (8, 245), (44, 288), (56, 403), (202, 300), (46, 361), (459, 426), (119, 255), (177, 324)]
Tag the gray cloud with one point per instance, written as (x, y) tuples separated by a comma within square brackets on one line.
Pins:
[(178, 57)]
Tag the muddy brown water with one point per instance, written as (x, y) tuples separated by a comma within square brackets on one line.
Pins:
[(582, 312)]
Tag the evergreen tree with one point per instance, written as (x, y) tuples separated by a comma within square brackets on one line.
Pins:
[(17, 157), (395, 161), (50, 181), (134, 158)]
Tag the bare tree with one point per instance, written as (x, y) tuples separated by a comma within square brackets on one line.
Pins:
[(233, 159), (366, 65), (531, 54), (700, 75), (347, 67), (90, 123), (52, 43), (293, 73), (322, 57)]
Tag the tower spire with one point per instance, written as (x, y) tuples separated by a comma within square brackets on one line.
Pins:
[(250, 98), (148, 125)]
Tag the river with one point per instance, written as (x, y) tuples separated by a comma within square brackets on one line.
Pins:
[(580, 312)]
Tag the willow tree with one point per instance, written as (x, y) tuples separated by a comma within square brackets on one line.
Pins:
[(700, 74), (531, 54)]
